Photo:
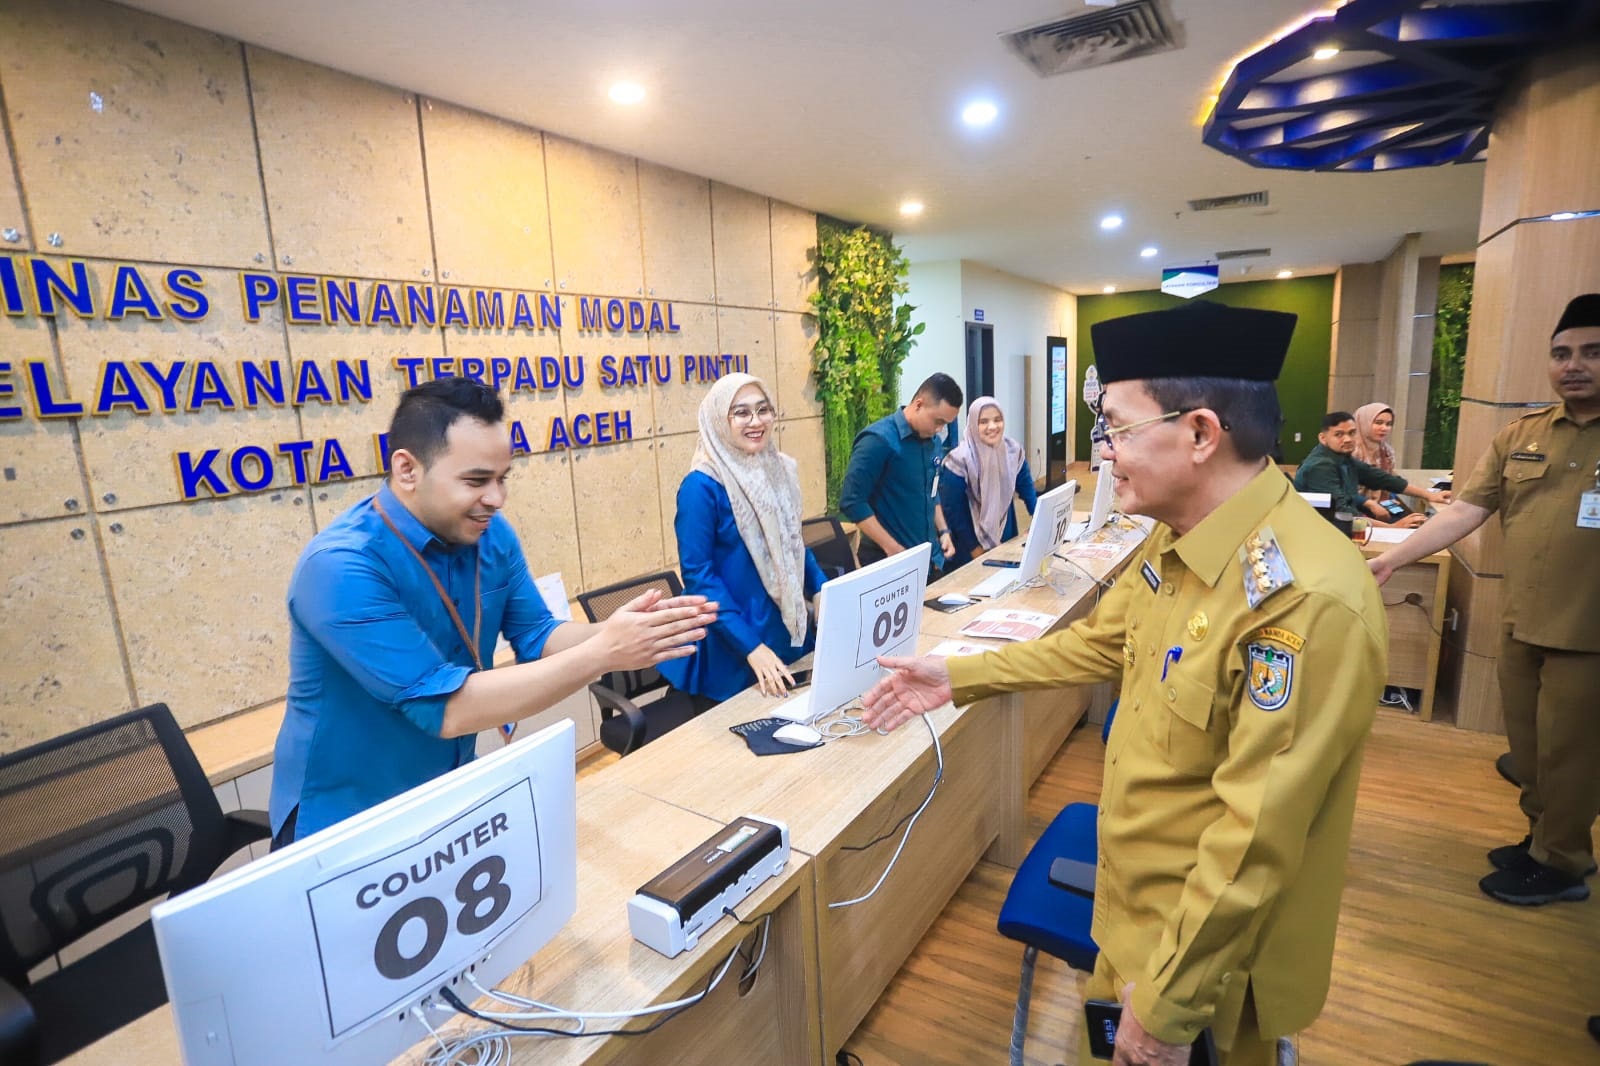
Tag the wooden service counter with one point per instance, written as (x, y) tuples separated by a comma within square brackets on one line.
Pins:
[(844, 804)]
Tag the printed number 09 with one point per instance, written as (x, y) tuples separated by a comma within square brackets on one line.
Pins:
[(886, 628), (386, 953)]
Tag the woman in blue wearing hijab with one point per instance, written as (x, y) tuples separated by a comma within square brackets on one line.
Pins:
[(738, 527), (980, 478)]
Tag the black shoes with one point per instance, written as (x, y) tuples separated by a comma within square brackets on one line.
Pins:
[(1515, 856), (1533, 885), (1502, 766), (1594, 1026)]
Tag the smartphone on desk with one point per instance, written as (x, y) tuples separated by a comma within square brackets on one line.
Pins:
[(1012, 563), (1103, 1016), (802, 678)]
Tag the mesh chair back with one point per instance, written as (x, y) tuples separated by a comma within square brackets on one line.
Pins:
[(826, 538), (600, 604), (98, 822)]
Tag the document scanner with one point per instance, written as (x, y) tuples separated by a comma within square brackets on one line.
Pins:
[(669, 912)]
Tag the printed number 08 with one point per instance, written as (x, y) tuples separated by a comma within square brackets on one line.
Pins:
[(886, 628), (386, 953)]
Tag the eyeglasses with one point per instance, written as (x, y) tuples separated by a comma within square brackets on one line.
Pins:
[(1115, 433), (743, 416)]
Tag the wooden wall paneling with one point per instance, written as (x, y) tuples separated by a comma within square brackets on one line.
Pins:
[(594, 219), (626, 409), (1346, 393), (357, 424), (1355, 293), (1467, 679), (741, 226), (130, 457), (750, 333), (39, 471), (674, 452), (1554, 119), (540, 506), (794, 244), (533, 408), (797, 389), (675, 222), (619, 511), (802, 438), (200, 594), (342, 161), (60, 667), (133, 133), (11, 214), (1523, 281), (1355, 347), (677, 403), (487, 199), (1410, 632)]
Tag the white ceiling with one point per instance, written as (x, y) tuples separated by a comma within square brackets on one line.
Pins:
[(848, 106)]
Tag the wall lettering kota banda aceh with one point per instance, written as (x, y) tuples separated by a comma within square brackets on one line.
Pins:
[(34, 286)]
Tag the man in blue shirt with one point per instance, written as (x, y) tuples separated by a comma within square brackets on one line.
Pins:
[(395, 609), (890, 487)]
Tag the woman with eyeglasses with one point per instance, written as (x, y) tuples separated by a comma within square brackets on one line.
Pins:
[(738, 528), (980, 478)]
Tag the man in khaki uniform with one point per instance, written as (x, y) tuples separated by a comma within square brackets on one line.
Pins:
[(1542, 474), (1251, 648)]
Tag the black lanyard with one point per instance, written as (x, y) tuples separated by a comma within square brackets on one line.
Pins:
[(477, 587)]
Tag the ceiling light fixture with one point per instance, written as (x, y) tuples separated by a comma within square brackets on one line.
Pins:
[(1109, 289), (911, 208), (1111, 222), (1325, 52), (979, 113), (626, 93), (1285, 273), (1149, 252)]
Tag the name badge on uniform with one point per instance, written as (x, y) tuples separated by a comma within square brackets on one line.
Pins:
[(1589, 510), (1150, 576), (1529, 457)]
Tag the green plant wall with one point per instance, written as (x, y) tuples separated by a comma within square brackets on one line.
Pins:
[(1303, 385), (1449, 366), (862, 336)]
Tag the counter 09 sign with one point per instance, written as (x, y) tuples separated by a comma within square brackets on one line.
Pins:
[(397, 925), (884, 618)]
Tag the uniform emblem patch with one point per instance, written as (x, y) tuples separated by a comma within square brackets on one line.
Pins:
[(1271, 676)]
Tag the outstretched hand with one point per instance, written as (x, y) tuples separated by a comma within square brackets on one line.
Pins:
[(914, 686), (649, 629)]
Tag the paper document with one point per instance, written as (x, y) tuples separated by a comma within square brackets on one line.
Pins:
[(1375, 535), (1109, 551), (1009, 625), (554, 592), (958, 647)]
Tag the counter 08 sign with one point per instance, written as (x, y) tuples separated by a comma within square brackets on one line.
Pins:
[(405, 922), (884, 618)]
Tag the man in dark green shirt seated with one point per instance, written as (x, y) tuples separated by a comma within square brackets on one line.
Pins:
[(1333, 468)]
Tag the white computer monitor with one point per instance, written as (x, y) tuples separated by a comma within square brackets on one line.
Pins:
[(316, 953), (1052, 519), (873, 611), (1104, 494)]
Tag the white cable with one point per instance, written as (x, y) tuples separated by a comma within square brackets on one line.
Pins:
[(938, 776)]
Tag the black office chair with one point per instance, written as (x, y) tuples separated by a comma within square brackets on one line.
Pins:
[(828, 541), (626, 724), (98, 822)]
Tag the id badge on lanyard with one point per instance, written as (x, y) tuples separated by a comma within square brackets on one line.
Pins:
[(1589, 504)]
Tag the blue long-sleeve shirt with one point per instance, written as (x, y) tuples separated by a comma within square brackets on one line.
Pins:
[(958, 510), (374, 657), (891, 477), (716, 564)]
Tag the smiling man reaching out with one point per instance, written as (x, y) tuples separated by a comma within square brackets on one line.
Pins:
[(1250, 644)]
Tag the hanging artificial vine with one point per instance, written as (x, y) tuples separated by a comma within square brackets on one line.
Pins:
[(863, 336), (1449, 366)]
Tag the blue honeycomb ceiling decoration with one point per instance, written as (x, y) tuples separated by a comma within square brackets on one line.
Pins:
[(1414, 83)]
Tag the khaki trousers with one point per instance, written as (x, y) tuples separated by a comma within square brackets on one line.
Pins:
[(1551, 700), (1249, 1047)]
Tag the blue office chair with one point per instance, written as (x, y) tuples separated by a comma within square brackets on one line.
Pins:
[(1046, 917)]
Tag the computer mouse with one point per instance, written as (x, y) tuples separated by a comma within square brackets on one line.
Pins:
[(801, 736)]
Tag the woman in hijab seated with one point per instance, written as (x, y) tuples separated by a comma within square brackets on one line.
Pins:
[(980, 478), (1374, 424), (738, 527)]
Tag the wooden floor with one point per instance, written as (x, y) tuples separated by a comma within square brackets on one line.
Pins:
[(1426, 966)]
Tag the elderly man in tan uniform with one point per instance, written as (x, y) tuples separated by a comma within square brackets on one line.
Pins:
[(1542, 474), (1251, 647)]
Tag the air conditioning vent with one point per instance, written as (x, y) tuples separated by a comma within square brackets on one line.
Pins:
[(1131, 29), (1219, 203), (1244, 253)]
